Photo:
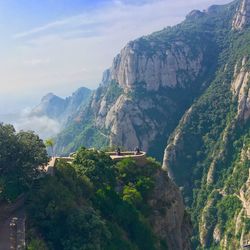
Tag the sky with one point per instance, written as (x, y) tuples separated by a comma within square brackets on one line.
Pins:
[(59, 45)]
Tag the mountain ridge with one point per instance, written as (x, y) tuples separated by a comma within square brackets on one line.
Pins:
[(61, 109)]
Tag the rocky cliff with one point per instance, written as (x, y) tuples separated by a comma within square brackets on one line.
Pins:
[(168, 218), (242, 16), (156, 68)]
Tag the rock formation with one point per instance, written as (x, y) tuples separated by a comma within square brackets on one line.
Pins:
[(168, 214), (242, 17)]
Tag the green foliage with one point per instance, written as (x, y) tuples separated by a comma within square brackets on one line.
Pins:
[(76, 135), (97, 166), (247, 224), (37, 244), (21, 155), (212, 137), (93, 204), (227, 207), (138, 181), (113, 92), (131, 195), (59, 213), (49, 143), (115, 209)]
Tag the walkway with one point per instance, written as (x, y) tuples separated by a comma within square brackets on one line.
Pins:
[(13, 237)]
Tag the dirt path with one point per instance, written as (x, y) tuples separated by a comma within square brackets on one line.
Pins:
[(13, 239)]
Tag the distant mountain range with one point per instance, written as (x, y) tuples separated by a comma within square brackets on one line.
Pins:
[(51, 115), (61, 109)]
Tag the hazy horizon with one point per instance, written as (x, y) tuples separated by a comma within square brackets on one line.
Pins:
[(58, 46)]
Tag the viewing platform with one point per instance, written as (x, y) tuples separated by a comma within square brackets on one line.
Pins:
[(140, 158)]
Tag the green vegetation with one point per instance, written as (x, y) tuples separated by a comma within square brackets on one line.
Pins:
[(113, 92), (103, 205), (227, 207), (49, 143), (82, 131), (21, 155), (209, 164)]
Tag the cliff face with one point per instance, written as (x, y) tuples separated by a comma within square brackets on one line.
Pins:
[(156, 68), (131, 119), (242, 16), (240, 90), (168, 217)]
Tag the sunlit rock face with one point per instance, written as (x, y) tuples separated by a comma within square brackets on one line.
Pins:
[(242, 17), (160, 68)]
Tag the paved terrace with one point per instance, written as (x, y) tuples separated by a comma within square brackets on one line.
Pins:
[(140, 158)]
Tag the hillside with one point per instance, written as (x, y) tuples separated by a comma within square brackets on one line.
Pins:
[(208, 154)]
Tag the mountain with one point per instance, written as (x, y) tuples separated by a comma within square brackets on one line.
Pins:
[(151, 84), (208, 155), (60, 109)]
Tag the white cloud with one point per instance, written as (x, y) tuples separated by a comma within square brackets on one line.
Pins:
[(44, 126)]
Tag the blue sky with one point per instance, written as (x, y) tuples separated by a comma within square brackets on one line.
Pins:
[(60, 45)]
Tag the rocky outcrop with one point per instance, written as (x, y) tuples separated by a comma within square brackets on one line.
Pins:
[(123, 124), (153, 68), (245, 196), (241, 90), (168, 216), (242, 17), (131, 120)]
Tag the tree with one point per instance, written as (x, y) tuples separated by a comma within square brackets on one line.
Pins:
[(21, 156), (60, 213), (131, 195), (97, 166), (49, 143)]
